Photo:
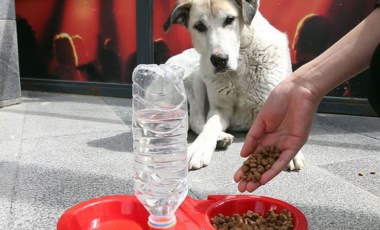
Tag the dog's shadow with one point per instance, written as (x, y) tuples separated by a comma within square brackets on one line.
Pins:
[(122, 142)]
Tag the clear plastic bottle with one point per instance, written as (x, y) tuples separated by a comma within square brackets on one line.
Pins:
[(159, 126)]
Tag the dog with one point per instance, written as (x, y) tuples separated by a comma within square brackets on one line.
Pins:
[(237, 59)]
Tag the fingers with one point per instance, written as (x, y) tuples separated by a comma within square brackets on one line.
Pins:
[(239, 173), (248, 186), (243, 184), (253, 137), (252, 186), (280, 164)]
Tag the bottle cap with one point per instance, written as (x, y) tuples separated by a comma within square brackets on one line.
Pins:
[(155, 222)]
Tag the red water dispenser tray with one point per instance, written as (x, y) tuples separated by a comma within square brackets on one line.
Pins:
[(125, 212)]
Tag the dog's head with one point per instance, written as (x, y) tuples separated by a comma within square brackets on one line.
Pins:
[(215, 27)]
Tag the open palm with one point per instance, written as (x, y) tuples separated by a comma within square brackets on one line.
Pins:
[(285, 121)]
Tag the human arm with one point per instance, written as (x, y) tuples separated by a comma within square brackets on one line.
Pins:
[(286, 117)]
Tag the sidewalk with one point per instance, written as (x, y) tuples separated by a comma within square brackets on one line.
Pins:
[(57, 150)]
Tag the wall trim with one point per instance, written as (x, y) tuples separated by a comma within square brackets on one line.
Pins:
[(346, 105), (74, 87)]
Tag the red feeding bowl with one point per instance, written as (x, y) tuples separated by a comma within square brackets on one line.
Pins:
[(123, 212), (229, 205)]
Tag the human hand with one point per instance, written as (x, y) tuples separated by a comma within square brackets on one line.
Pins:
[(285, 121)]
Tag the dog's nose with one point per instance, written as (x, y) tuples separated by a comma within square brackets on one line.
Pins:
[(219, 61)]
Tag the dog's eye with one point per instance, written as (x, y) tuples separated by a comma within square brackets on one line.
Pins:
[(200, 27), (229, 20)]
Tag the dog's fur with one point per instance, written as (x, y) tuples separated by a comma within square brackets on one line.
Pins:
[(238, 59)]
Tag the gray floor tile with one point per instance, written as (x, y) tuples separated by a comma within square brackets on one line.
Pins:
[(349, 171), (122, 107), (367, 126), (11, 123), (72, 148), (10, 150), (69, 115), (11, 129), (8, 174), (317, 153), (56, 173), (43, 193), (329, 143), (101, 153), (12, 112)]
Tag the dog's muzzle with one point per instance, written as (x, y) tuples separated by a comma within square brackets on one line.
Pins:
[(220, 62)]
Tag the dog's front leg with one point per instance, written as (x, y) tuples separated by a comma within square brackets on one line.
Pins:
[(201, 150)]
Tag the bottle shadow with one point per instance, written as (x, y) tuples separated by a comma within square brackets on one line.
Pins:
[(122, 142)]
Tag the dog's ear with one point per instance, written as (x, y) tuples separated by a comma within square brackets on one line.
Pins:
[(179, 15), (248, 9)]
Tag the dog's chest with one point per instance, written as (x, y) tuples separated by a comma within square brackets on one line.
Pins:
[(230, 90), (236, 95)]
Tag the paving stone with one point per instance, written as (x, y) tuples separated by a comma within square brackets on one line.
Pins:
[(122, 107), (8, 174), (56, 173), (71, 148), (349, 170), (69, 115), (366, 126)]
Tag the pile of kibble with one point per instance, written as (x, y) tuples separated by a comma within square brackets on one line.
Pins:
[(258, 163), (254, 221)]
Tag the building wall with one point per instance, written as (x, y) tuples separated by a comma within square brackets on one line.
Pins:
[(10, 92)]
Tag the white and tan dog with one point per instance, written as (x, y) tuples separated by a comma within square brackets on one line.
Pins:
[(238, 59)]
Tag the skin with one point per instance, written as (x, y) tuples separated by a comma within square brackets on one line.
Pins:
[(287, 116)]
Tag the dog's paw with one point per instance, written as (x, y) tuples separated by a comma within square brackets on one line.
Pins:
[(224, 140), (199, 153), (297, 163)]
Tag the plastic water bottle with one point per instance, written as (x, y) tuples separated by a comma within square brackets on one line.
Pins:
[(159, 127)]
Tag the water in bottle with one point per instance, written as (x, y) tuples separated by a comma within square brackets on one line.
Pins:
[(159, 126)]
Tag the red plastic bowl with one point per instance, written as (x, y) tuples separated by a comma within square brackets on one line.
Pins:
[(123, 212), (105, 213), (240, 204), (120, 212)]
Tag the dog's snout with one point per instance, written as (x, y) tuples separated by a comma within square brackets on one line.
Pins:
[(219, 61)]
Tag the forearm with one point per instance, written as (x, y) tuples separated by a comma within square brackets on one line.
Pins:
[(347, 57)]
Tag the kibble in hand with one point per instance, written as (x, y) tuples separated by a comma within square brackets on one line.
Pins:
[(260, 162)]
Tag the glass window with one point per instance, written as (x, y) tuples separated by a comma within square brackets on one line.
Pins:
[(314, 26), (176, 40), (76, 40)]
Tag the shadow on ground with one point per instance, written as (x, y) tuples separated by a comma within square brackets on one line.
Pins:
[(120, 143)]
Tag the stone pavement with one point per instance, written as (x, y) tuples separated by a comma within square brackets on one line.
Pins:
[(58, 149)]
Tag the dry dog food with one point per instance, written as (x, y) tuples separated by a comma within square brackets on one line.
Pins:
[(257, 164), (254, 221), (371, 172)]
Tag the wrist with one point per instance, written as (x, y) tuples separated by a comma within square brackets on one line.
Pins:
[(308, 78)]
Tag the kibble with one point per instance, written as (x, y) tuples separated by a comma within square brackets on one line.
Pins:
[(260, 162), (361, 174), (254, 221), (372, 172)]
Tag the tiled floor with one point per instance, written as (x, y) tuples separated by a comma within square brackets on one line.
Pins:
[(57, 150)]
